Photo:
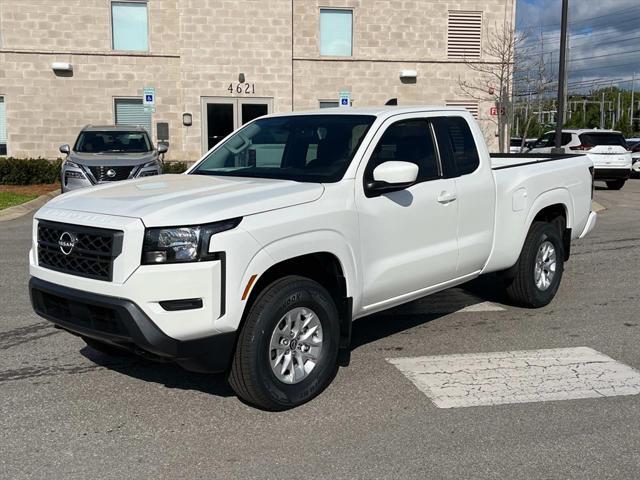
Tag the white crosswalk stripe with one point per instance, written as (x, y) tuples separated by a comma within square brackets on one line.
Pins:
[(481, 379)]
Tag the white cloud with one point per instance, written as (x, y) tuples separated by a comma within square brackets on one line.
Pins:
[(601, 31)]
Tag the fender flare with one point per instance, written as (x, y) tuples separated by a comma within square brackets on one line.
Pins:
[(505, 255)]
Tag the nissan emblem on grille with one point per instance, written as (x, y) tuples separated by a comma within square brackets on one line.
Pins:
[(111, 173), (66, 242)]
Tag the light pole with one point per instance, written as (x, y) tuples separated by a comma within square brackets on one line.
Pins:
[(633, 92), (561, 76)]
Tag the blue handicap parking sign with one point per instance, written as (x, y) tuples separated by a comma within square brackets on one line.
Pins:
[(344, 101), (149, 98)]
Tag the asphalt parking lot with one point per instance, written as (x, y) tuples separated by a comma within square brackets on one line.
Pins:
[(67, 411)]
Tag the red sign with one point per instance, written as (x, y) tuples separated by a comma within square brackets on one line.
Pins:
[(495, 111)]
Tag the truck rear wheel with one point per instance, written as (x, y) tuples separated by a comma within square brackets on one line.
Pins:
[(536, 277), (615, 184), (288, 347)]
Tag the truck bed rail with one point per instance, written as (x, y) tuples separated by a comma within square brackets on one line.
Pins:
[(501, 161)]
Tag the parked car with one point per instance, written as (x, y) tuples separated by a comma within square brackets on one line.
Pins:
[(109, 153), (257, 259), (516, 145), (607, 149), (635, 160)]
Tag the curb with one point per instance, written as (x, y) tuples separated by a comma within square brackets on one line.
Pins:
[(23, 209), (596, 207)]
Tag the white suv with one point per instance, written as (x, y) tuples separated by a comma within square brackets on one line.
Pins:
[(607, 149)]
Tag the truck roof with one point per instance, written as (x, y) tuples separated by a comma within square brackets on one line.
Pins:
[(381, 111)]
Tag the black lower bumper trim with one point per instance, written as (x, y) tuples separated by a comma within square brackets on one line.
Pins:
[(121, 322), (612, 173)]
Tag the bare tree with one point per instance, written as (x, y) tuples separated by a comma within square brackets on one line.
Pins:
[(493, 81), (532, 82)]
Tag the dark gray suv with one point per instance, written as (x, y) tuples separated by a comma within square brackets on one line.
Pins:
[(110, 153)]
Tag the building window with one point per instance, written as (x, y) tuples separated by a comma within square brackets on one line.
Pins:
[(329, 103), (131, 112), (336, 32), (129, 26), (3, 128), (464, 34)]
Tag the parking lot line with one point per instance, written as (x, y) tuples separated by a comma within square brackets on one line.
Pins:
[(481, 379)]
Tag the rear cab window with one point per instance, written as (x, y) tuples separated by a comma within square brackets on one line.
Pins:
[(457, 146)]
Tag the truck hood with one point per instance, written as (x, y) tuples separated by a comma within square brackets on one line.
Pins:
[(170, 200), (111, 158)]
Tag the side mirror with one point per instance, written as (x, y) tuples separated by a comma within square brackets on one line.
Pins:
[(65, 149), (391, 177), (163, 147)]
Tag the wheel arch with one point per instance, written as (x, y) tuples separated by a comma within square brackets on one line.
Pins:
[(550, 205), (555, 207), (332, 270)]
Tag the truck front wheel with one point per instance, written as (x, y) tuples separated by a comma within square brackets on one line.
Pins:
[(288, 347), (534, 280)]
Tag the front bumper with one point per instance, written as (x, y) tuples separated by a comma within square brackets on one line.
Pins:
[(612, 173), (121, 322)]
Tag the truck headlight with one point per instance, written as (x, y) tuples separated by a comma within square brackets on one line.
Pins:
[(182, 244)]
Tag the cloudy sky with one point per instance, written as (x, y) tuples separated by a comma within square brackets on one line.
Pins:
[(604, 37)]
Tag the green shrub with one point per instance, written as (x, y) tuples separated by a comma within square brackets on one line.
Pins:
[(28, 171), (174, 167)]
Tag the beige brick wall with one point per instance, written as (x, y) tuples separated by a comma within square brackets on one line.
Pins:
[(392, 29), (223, 38), (45, 110), (199, 47), (79, 25)]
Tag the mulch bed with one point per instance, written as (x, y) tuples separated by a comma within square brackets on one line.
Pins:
[(30, 189)]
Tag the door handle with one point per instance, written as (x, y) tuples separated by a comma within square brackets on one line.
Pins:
[(446, 197)]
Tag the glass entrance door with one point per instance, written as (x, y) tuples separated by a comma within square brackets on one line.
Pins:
[(221, 116)]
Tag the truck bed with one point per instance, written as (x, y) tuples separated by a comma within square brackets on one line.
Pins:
[(510, 160), (545, 179)]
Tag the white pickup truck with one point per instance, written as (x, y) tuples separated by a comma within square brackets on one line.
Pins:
[(257, 260)]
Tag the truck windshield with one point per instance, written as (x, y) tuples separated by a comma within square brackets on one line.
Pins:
[(127, 142), (304, 148)]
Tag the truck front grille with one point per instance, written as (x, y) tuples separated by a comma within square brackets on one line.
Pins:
[(111, 174), (77, 250)]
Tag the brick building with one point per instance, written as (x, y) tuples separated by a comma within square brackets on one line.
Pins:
[(68, 63)]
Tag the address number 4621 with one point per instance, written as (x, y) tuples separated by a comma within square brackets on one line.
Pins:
[(242, 88)]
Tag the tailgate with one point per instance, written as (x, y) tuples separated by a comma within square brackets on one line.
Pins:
[(610, 156)]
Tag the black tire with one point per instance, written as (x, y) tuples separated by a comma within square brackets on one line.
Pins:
[(106, 349), (615, 184), (251, 376), (520, 283)]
